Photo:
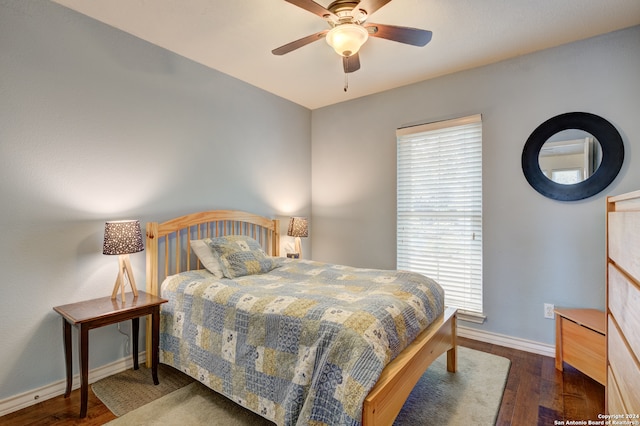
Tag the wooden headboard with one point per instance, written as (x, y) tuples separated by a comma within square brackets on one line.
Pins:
[(169, 244)]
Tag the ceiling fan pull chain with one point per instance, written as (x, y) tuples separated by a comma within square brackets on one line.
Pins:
[(346, 75)]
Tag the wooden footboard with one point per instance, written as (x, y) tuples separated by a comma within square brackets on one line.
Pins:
[(396, 381)]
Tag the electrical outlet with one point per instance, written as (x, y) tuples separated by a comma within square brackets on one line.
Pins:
[(548, 311)]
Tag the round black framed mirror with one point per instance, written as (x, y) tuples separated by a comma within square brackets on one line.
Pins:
[(603, 156)]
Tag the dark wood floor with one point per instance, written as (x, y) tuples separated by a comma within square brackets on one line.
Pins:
[(535, 394), (538, 394)]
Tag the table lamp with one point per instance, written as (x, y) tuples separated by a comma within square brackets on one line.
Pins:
[(123, 237), (298, 227)]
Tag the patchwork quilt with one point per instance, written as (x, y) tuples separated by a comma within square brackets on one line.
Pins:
[(300, 345)]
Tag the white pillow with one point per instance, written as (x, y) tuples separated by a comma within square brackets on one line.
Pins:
[(207, 257)]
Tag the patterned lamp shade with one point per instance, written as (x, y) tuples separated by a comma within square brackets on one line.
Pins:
[(298, 227), (122, 237)]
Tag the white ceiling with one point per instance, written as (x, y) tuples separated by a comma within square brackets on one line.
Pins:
[(237, 36)]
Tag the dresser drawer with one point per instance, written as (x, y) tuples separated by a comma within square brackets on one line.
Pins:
[(624, 305), (584, 349), (625, 370), (624, 245), (614, 400)]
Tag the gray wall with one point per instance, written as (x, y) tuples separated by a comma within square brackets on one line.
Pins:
[(536, 250), (98, 125)]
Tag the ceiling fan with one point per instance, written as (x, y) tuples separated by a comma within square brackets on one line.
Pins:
[(349, 30)]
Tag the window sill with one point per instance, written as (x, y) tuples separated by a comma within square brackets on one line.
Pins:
[(471, 317)]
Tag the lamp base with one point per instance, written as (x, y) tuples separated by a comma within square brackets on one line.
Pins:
[(298, 247), (124, 268)]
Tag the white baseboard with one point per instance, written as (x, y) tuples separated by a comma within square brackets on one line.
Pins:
[(507, 341), (29, 398)]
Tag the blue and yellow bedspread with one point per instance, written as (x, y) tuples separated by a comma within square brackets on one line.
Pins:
[(300, 345)]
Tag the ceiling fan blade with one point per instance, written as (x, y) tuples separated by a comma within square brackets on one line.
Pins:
[(299, 43), (313, 7), (351, 63), (370, 6), (406, 35)]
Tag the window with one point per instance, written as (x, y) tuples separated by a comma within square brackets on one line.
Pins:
[(439, 208)]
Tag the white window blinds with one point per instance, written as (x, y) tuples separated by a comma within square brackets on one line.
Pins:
[(439, 207)]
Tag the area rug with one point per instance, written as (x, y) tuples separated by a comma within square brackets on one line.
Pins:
[(131, 389), (470, 396)]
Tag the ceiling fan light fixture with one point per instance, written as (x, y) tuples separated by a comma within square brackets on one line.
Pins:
[(347, 39)]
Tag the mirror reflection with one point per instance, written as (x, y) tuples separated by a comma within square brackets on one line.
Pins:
[(570, 156)]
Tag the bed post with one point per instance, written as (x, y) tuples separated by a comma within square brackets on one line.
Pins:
[(275, 241), (152, 258), (452, 354), (152, 278)]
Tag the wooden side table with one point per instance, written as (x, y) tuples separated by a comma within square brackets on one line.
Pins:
[(104, 311), (580, 341)]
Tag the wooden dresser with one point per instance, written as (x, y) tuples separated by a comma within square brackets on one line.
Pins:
[(623, 304)]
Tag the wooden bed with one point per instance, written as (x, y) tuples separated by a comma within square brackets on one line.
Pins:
[(168, 252)]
